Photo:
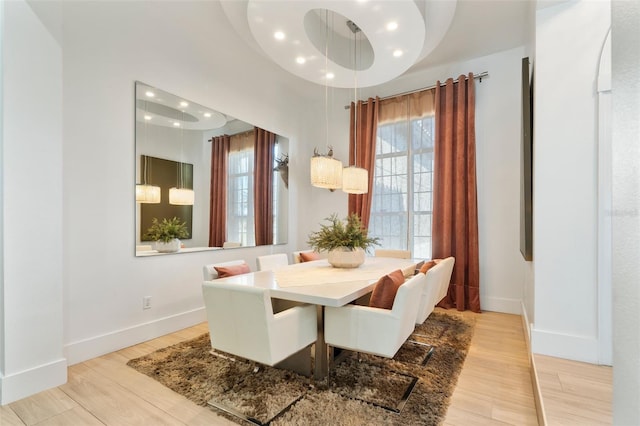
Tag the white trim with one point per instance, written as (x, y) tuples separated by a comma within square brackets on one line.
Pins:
[(99, 345), (28, 382), (605, 232), (537, 392), (501, 304), (568, 346)]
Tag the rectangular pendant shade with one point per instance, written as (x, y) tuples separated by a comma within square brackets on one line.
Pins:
[(148, 194), (326, 172), (181, 196), (355, 180)]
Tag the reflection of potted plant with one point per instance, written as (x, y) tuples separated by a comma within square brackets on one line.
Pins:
[(166, 234), (345, 241)]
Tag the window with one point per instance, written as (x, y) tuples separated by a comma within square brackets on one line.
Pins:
[(240, 226), (403, 177)]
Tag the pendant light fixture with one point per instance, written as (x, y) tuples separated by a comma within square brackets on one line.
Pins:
[(355, 180), (179, 195), (326, 171), (146, 193)]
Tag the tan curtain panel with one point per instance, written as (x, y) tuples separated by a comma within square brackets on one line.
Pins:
[(265, 142), (242, 141), (413, 105), (363, 143), (218, 190), (455, 208)]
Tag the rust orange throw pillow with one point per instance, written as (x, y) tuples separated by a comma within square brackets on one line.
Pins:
[(309, 256), (384, 293), (231, 270), (427, 265)]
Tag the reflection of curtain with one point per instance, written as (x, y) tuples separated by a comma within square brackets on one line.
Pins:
[(455, 209), (263, 186), (218, 191), (364, 145)]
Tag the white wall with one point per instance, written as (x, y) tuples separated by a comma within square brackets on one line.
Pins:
[(626, 211), (31, 308), (185, 48), (569, 39)]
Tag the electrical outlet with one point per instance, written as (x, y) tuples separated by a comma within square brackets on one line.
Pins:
[(146, 302)]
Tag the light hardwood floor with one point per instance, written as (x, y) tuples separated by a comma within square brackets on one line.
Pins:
[(494, 387), (575, 393)]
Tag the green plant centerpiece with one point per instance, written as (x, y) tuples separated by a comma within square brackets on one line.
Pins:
[(167, 234), (345, 240)]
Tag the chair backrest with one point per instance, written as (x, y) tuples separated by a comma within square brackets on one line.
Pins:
[(270, 262), (407, 302), (209, 271), (448, 265), (437, 283), (239, 319), (400, 254), (231, 244)]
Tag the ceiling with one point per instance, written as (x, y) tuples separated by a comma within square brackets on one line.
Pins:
[(449, 31)]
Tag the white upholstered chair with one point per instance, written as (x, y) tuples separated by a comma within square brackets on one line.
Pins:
[(374, 330), (209, 271), (438, 278), (242, 323), (231, 244), (269, 262), (399, 254)]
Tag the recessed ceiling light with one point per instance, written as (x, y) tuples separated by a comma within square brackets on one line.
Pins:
[(397, 53), (184, 104), (147, 117), (330, 75), (300, 60), (176, 124), (279, 35), (150, 94), (207, 114), (392, 26)]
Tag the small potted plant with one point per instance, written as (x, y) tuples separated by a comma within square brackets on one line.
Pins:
[(167, 234), (345, 240)]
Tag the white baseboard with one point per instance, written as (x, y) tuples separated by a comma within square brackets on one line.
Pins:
[(25, 383), (568, 346), (99, 345), (537, 393), (501, 304)]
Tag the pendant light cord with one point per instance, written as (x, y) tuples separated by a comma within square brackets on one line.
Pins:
[(326, 77)]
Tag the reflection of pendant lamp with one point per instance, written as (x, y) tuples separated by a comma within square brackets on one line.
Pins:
[(145, 193), (326, 171), (179, 195), (355, 180)]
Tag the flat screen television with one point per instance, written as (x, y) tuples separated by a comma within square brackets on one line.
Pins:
[(526, 165)]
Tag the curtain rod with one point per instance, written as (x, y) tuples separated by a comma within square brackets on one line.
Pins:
[(478, 76), (235, 134)]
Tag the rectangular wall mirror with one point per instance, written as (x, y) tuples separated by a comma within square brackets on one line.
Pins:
[(176, 144)]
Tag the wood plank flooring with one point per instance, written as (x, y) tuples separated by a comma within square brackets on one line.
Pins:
[(494, 387), (575, 393)]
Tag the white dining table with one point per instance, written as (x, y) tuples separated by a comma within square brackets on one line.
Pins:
[(320, 284)]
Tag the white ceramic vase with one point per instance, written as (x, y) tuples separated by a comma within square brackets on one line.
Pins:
[(344, 257), (170, 247)]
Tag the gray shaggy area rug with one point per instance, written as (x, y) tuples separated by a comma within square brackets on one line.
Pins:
[(361, 390)]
